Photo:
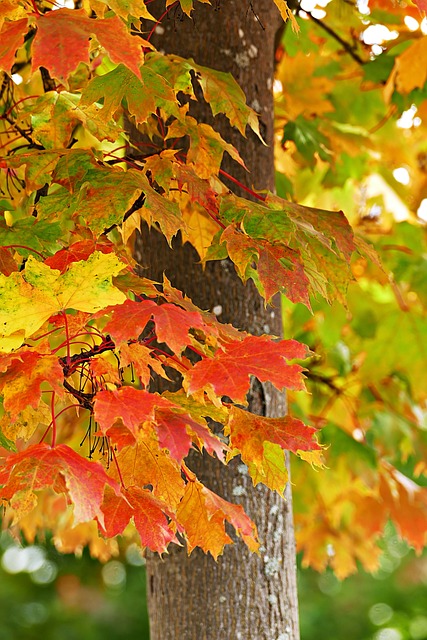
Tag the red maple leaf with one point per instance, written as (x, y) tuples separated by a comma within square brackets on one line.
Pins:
[(129, 319), (64, 470), (229, 370), (148, 513), (62, 41), (132, 406), (11, 38), (248, 432), (176, 432), (142, 359), (280, 269), (76, 252)]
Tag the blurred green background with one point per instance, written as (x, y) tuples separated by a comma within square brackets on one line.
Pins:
[(44, 594)]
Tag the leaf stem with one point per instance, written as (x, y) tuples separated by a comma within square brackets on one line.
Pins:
[(35, 7), (22, 246), (164, 14), (70, 406), (45, 334), (52, 410), (67, 336), (117, 467), (15, 104), (242, 186)]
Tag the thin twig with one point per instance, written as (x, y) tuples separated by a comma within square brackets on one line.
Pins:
[(348, 48)]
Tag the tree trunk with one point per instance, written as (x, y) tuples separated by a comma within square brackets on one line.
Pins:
[(242, 596)]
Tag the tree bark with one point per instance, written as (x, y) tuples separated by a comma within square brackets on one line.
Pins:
[(243, 596)]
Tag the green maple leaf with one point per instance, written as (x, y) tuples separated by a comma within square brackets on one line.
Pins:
[(141, 98), (102, 195), (41, 235), (224, 95)]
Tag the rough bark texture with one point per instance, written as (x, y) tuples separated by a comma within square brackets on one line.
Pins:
[(242, 596)]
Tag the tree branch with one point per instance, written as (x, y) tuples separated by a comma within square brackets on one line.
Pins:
[(348, 48)]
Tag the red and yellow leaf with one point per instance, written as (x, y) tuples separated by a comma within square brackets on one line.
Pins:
[(148, 513), (229, 371), (64, 470), (20, 384), (62, 42), (261, 443), (202, 513)]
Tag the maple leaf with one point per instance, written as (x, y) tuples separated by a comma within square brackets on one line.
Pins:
[(159, 209), (148, 514), (132, 406), (62, 42), (201, 435), (147, 464), (206, 146), (63, 469), (76, 252), (29, 298), (174, 427), (174, 69), (121, 84), (186, 5), (270, 468), (198, 189), (129, 281), (172, 323), (287, 14), (7, 264), (26, 422), (143, 361), (407, 504), (12, 10), (200, 228), (38, 166), (173, 435), (11, 38), (125, 8), (228, 370), (203, 513), (279, 268), (20, 384), (103, 194), (261, 443), (54, 116), (129, 319), (176, 431), (227, 331), (40, 235), (224, 95)]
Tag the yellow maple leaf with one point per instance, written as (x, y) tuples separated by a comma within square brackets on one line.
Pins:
[(287, 14), (303, 98), (200, 228), (29, 298), (27, 422), (410, 69)]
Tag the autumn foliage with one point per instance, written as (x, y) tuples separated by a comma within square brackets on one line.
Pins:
[(82, 334)]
